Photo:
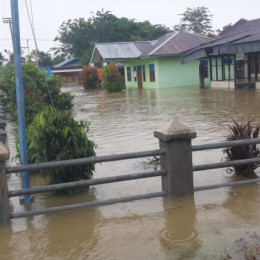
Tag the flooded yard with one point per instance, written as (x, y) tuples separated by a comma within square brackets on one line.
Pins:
[(213, 224)]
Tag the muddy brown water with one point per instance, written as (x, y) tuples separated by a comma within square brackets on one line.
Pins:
[(211, 225)]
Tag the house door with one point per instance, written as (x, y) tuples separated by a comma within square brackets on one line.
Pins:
[(139, 77)]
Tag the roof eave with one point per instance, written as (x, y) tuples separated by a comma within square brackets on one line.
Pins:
[(160, 55)]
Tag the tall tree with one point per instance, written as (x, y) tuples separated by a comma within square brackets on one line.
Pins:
[(195, 20), (44, 58), (77, 37)]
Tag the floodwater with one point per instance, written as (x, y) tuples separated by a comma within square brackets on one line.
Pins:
[(214, 224)]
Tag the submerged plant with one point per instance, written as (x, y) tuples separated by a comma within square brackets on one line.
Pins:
[(54, 136), (112, 80), (241, 131), (89, 77)]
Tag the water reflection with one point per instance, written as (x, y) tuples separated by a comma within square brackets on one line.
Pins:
[(180, 235), (5, 245), (243, 201), (63, 235)]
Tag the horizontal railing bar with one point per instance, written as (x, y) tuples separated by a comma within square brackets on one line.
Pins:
[(222, 185), (87, 204), (81, 161), (204, 167), (225, 144), (82, 183)]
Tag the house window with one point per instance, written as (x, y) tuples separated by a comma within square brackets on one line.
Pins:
[(135, 74), (228, 68), (222, 67), (205, 68), (143, 69), (152, 72), (254, 65), (128, 73), (206, 75)]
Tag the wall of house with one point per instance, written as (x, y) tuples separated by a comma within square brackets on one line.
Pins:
[(169, 72), (222, 84), (174, 74), (142, 62), (69, 77)]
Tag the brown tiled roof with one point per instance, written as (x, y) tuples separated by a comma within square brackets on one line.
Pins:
[(180, 42), (170, 44)]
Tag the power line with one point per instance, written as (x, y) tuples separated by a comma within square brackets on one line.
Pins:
[(36, 47), (33, 32), (8, 20), (30, 39)]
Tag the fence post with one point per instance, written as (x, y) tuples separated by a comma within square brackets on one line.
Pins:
[(175, 141), (4, 204)]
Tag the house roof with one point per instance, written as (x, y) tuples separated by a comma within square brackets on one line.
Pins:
[(117, 50), (71, 62), (170, 44), (242, 37), (66, 69)]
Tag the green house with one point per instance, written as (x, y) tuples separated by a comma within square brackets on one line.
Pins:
[(153, 64)]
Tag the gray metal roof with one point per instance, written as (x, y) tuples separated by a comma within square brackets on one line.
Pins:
[(118, 50), (170, 44), (242, 37)]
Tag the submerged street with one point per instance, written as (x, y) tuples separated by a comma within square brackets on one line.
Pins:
[(211, 225)]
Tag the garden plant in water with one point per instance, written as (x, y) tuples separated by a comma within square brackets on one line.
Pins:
[(53, 136), (241, 131)]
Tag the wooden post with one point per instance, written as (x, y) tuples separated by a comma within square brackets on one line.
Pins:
[(4, 204), (175, 141)]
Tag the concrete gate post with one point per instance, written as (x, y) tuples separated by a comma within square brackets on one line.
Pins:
[(175, 141), (4, 203)]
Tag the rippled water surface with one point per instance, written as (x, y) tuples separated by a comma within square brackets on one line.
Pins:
[(210, 225)]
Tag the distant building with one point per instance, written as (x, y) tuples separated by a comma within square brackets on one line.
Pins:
[(153, 64), (234, 56), (69, 69)]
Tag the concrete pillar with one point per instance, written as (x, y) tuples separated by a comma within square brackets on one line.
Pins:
[(4, 204), (175, 141), (202, 77)]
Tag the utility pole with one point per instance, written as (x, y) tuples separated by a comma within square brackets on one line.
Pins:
[(8, 20), (20, 99)]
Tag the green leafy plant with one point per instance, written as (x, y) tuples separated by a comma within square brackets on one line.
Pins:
[(241, 131), (112, 80), (37, 92), (89, 77), (52, 137)]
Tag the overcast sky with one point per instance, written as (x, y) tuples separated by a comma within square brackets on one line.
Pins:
[(48, 15)]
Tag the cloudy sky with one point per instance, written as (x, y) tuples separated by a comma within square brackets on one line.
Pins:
[(49, 14)]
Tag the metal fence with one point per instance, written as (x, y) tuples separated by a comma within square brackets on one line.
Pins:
[(176, 172)]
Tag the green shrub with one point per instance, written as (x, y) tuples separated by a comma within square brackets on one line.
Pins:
[(36, 91), (89, 77), (112, 80), (52, 137), (241, 131)]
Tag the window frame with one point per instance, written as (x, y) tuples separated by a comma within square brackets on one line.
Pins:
[(152, 72)]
